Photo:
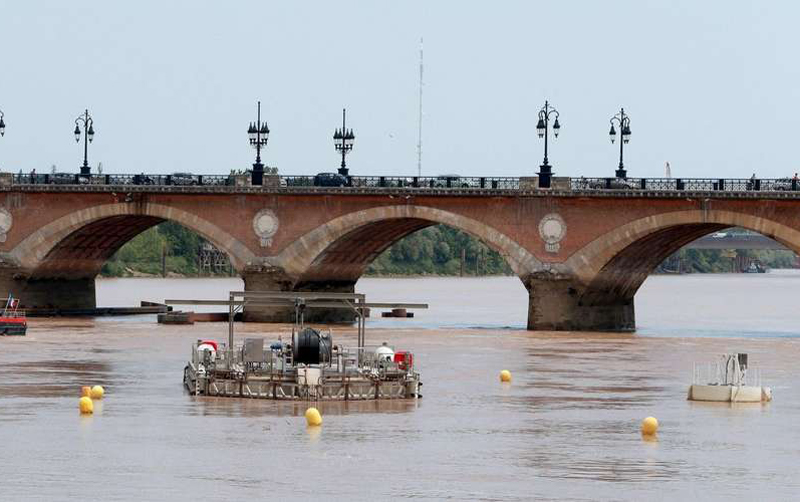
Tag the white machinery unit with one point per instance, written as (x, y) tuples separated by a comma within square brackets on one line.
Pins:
[(727, 381)]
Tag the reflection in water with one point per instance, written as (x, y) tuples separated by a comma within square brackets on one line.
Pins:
[(314, 432), (566, 427)]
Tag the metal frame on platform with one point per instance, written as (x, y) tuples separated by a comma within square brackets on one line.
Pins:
[(238, 300)]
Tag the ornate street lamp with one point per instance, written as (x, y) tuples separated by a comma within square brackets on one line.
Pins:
[(258, 133), (624, 123), (88, 136), (343, 141), (542, 129)]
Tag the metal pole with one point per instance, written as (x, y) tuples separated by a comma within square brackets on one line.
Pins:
[(419, 139), (230, 328), (344, 142), (258, 135), (546, 127), (621, 141), (86, 140), (163, 260)]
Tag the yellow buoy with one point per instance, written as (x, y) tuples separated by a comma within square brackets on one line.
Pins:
[(313, 417), (86, 406), (649, 426), (86, 391), (97, 392), (505, 376)]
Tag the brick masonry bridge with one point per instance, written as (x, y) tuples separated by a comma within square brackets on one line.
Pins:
[(581, 254)]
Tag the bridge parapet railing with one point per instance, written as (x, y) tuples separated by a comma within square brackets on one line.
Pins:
[(177, 179), (436, 182), (443, 182), (686, 184)]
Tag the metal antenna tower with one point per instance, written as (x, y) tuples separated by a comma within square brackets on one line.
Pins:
[(419, 139)]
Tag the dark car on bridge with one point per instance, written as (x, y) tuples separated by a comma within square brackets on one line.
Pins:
[(67, 179), (606, 184), (183, 179), (450, 181), (780, 184), (330, 180), (143, 179)]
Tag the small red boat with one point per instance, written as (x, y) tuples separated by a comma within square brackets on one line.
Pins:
[(13, 321)]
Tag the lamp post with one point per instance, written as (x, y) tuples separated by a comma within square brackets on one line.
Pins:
[(624, 121), (543, 129), (2, 124), (343, 141), (88, 136), (258, 133)]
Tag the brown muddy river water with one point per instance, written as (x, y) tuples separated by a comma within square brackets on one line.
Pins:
[(566, 428)]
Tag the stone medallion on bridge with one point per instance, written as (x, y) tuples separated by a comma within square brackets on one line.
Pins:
[(552, 229), (6, 220), (265, 225)]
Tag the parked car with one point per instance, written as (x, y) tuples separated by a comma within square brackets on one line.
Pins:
[(607, 184), (450, 181), (330, 180), (782, 184), (143, 179), (183, 179), (68, 179)]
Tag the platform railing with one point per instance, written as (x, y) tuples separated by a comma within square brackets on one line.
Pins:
[(455, 183)]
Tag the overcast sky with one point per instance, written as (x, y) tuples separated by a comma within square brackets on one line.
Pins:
[(711, 87)]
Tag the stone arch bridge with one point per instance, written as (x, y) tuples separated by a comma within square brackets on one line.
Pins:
[(581, 254)]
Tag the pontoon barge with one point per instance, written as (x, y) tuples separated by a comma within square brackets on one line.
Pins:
[(310, 366)]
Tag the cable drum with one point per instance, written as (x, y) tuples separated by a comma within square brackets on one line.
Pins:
[(310, 346)]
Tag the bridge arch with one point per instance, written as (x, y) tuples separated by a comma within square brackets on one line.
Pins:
[(343, 247), (60, 248), (656, 237), (600, 280)]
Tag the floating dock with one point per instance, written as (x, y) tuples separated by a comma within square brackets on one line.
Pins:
[(95, 312), (307, 367), (726, 382)]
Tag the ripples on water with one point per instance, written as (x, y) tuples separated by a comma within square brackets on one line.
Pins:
[(565, 428)]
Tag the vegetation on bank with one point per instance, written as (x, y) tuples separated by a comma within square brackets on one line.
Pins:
[(435, 250), (142, 255), (722, 261), (438, 250)]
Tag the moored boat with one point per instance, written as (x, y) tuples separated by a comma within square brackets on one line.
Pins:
[(13, 321)]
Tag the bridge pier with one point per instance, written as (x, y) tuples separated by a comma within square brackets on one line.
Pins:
[(47, 292), (558, 303), (273, 279)]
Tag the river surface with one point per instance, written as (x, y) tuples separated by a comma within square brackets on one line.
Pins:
[(566, 428)]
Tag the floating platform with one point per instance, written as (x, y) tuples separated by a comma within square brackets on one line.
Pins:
[(175, 318), (96, 312), (145, 308), (401, 313), (270, 374), (730, 393), (180, 317), (726, 382), (309, 367)]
